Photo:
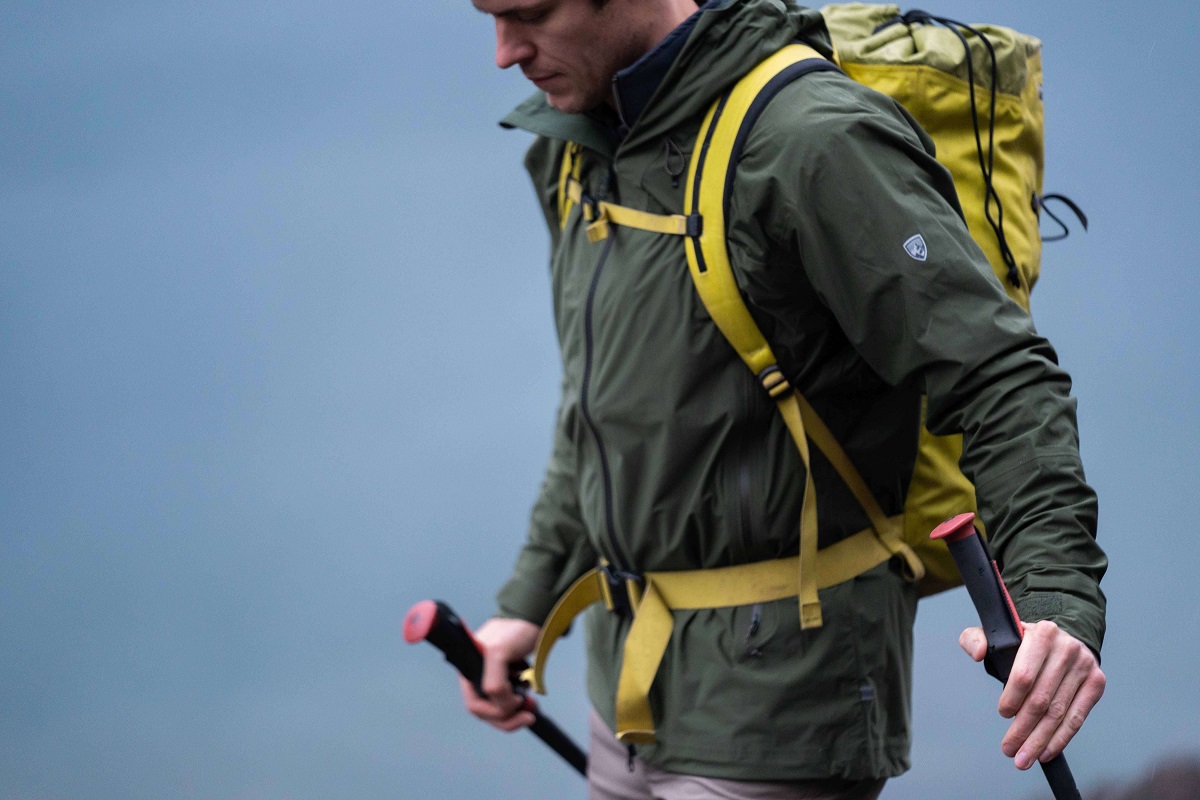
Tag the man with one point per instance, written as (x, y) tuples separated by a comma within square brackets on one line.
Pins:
[(668, 456)]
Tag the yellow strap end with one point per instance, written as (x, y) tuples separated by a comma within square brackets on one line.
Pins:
[(582, 594), (914, 567), (810, 616), (534, 678)]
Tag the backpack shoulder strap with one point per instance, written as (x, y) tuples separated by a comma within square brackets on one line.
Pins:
[(710, 175)]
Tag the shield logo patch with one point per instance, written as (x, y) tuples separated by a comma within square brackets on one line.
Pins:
[(915, 247)]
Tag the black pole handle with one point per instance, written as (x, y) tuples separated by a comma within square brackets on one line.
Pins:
[(435, 622), (1000, 622)]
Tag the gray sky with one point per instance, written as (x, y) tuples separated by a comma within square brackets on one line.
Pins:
[(276, 361)]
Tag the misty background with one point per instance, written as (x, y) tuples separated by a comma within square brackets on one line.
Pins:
[(277, 361)]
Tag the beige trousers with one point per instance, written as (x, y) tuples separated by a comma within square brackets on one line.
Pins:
[(613, 775)]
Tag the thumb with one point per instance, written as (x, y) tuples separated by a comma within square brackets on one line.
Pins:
[(974, 643)]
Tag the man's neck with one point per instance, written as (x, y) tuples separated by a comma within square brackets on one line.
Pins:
[(633, 85)]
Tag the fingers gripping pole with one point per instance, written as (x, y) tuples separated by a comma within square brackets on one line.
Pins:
[(435, 622)]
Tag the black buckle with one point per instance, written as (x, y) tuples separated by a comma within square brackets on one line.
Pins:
[(591, 207), (618, 589)]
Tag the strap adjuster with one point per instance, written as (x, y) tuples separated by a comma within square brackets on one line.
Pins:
[(774, 381)]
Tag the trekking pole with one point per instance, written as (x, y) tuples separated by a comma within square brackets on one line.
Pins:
[(1000, 622), (435, 622)]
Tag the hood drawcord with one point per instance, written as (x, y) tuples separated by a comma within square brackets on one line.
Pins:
[(674, 161)]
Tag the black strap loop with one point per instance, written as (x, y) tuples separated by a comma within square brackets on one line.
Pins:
[(1039, 204)]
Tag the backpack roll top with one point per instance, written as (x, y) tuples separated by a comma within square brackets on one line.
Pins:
[(976, 90)]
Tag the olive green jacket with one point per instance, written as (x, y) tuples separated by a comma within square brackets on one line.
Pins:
[(668, 455)]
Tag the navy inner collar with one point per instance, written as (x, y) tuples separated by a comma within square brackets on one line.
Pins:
[(635, 85)]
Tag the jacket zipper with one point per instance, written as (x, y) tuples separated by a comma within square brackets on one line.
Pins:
[(744, 500), (616, 94), (585, 410), (749, 514)]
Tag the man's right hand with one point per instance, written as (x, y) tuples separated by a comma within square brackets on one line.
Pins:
[(504, 642)]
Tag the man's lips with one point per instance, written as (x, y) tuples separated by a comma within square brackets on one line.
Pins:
[(541, 81)]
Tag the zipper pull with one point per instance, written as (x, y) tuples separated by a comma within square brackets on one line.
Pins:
[(755, 624)]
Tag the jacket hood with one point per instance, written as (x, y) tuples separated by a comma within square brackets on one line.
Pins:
[(727, 39)]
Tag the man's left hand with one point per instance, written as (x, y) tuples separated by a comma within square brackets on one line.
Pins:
[(1055, 682)]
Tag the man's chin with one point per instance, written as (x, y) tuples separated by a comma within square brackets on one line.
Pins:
[(566, 103)]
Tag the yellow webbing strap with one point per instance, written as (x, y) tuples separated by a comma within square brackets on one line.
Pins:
[(663, 592), (889, 531), (603, 213), (810, 604), (708, 262), (572, 165), (591, 588)]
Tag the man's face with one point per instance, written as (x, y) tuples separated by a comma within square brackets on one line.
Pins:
[(570, 49)]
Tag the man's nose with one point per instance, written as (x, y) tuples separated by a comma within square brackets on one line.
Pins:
[(511, 45)]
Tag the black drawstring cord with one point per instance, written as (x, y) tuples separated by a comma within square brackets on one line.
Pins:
[(1039, 204), (988, 167), (986, 164)]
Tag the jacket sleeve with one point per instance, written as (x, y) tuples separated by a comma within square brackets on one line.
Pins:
[(844, 195), (557, 550)]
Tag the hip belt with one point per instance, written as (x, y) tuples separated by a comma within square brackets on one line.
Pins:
[(655, 595)]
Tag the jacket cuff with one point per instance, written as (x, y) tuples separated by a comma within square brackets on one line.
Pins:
[(520, 599), (1080, 618)]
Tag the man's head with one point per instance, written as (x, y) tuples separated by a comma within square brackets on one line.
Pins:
[(570, 49)]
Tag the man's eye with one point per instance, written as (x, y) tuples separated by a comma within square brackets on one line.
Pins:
[(530, 16)]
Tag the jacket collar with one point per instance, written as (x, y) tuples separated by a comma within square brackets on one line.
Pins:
[(636, 84)]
